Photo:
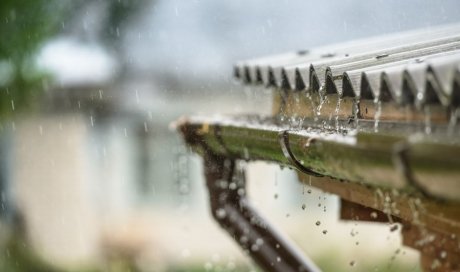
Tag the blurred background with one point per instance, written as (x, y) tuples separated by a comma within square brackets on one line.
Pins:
[(91, 176)]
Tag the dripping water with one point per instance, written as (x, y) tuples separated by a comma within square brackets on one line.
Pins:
[(427, 120), (453, 121), (336, 114), (322, 100), (356, 113), (378, 113)]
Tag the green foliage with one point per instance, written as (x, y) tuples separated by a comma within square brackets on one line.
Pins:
[(24, 26), (18, 257)]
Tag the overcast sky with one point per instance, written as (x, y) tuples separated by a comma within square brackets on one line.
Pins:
[(201, 39), (205, 36)]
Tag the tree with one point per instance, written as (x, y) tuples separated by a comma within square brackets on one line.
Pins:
[(24, 26)]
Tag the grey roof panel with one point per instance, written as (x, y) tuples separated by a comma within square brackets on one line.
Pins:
[(418, 67)]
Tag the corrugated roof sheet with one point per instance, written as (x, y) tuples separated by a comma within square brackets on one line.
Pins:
[(418, 67)]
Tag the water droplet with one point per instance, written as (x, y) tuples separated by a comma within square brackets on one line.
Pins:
[(276, 196), (378, 113), (223, 184), (278, 259), (374, 215), (427, 120), (353, 233), (324, 232), (304, 206), (443, 254), (259, 241), (309, 191), (352, 263), (318, 223), (221, 213)]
